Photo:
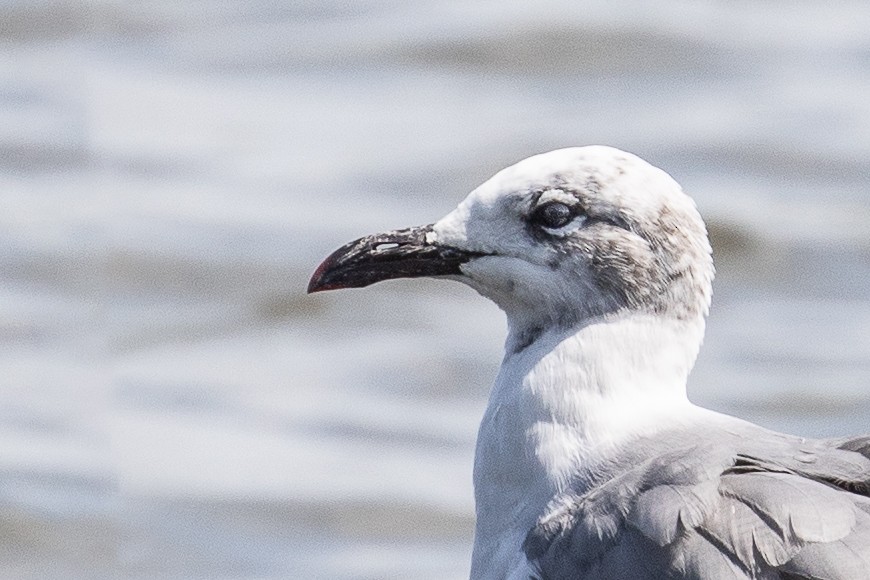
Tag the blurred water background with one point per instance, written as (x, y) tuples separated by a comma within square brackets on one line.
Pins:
[(173, 406)]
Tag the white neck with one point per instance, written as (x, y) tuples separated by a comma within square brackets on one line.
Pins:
[(560, 405)]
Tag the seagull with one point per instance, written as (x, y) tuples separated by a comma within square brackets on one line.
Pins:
[(591, 462)]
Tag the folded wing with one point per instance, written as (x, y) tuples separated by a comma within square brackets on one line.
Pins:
[(745, 503)]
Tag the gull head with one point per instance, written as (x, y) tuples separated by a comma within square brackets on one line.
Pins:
[(557, 239)]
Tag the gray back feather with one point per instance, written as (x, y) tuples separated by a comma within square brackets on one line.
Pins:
[(746, 504)]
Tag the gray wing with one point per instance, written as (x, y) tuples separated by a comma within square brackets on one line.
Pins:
[(748, 504)]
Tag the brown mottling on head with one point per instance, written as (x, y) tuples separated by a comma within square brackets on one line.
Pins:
[(558, 181), (656, 263), (593, 185)]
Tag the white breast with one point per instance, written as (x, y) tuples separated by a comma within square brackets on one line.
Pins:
[(557, 408)]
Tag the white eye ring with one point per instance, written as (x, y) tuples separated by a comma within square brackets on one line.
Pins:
[(568, 228)]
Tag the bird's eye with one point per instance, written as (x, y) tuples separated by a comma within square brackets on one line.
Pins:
[(553, 215)]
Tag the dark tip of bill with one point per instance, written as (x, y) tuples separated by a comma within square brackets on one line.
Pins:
[(316, 284)]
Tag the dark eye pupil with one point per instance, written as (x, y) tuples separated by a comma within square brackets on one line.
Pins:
[(553, 215)]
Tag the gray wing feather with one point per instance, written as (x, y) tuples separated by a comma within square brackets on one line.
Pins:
[(800, 510), (749, 504), (856, 444), (632, 557), (698, 557), (845, 558), (662, 512), (734, 525)]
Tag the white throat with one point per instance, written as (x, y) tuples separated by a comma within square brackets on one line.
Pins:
[(562, 404)]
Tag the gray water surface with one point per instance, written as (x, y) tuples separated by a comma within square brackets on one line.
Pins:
[(172, 405)]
